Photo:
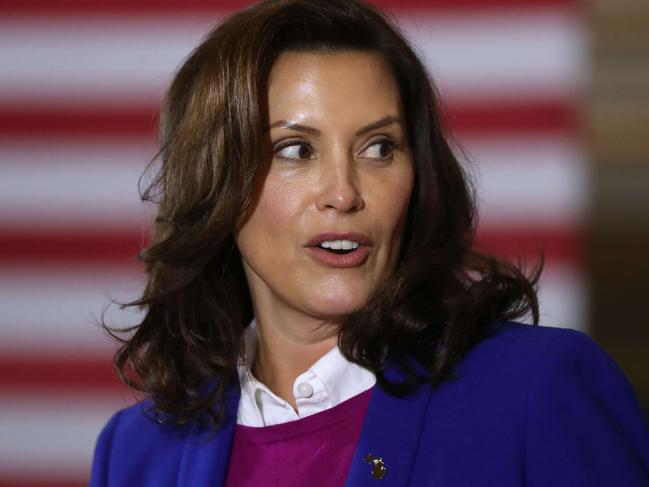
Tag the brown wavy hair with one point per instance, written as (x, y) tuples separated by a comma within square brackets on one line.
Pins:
[(440, 300)]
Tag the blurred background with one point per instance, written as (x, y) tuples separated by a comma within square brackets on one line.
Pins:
[(547, 99)]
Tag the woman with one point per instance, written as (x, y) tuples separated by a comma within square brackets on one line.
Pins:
[(305, 182)]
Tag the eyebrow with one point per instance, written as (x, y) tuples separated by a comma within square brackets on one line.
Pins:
[(294, 126), (384, 122)]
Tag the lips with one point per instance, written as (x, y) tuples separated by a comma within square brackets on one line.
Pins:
[(351, 258)]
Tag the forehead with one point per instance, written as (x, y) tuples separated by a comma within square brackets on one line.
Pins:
[(313, 85)]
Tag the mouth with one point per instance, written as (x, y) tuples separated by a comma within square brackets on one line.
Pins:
[(340, 242), (340, 249)]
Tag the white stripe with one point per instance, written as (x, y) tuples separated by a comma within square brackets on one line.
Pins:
[(99, 59), (505, 55), (531, 182), (52, 438), (82, 187), (54, 311), (122, 59), (78, 185), (563, 297)]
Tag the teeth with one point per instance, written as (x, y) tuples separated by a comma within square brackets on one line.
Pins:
[(339, 244)]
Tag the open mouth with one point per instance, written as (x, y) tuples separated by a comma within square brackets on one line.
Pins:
[(339, 247), (340, 251)]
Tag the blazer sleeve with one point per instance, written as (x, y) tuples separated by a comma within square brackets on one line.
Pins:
[(583, 423), (101, 459)]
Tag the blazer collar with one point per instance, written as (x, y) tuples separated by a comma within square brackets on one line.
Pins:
[(390, 432)]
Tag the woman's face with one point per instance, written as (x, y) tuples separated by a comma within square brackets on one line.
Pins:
[(328, 221)]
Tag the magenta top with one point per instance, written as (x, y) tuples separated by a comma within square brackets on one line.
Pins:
[(315, 450)]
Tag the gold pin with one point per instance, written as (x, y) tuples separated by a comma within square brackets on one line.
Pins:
[(378, 466)]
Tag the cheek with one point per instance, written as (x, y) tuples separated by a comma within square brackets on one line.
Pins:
[(394, 200), (278, 205), (272, 220)]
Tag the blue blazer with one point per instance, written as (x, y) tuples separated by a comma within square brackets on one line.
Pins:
[(530, 406)]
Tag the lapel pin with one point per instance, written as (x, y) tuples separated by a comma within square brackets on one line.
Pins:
[(378, 466)]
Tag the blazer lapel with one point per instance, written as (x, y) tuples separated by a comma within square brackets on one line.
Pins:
[(207, 454), (389, 439)]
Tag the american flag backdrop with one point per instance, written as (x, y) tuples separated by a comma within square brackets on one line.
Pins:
[(80, 83)]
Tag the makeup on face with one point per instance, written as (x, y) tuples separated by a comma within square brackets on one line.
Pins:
[(328, 221)]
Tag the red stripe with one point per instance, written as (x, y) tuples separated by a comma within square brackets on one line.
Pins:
[(120, 249), (172, 7), (527, 245), (513, 118), (58, 376), (27, 480), (478, 118), (73, 248), (71, 121)]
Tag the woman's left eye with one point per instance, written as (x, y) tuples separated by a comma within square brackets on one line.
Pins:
[(381, 149)]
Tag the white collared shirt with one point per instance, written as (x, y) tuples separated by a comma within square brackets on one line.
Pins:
[(329, 382)]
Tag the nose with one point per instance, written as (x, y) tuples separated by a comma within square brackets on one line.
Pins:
[(339, 186)]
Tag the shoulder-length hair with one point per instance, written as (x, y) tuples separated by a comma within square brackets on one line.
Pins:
[(439, 301)]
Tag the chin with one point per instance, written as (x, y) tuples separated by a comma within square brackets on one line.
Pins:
[(339, 303)]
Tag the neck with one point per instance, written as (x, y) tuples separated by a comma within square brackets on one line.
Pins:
[(286, 351)]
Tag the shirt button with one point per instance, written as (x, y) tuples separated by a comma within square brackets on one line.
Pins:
[(304, 389)]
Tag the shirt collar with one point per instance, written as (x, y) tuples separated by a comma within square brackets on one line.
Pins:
[(330, 381)]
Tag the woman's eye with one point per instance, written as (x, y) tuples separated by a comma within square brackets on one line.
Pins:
[(295, 151), (381, 149)]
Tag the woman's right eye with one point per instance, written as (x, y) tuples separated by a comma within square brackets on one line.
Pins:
[(294, 151)]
